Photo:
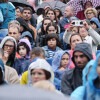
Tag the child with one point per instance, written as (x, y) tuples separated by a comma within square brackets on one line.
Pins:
[(51, 47), (61, 62), (23, 49)]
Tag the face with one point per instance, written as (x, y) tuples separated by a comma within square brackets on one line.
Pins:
[(75, 40), (98, 67), (26, 15), (18, 13), (83, 32), (64, 60), (9, 47), (22, 51), (80, 59), (93, 25), (52, 43), (13, 32), (88, 5), (57, 12), (51, 15), (46, 22), (68, 12), (90, 14), (51, 29), (37, 75), (75, 30)]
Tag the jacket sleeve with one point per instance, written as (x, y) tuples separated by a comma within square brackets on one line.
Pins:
[(66, 84), (94, 35), (66, 36)]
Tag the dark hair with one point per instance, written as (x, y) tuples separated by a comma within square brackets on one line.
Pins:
[(2, 51), (4, 1), (40, 11), (74, 35), (51, 36), (92, 22), (38, 51), (52, 24), (86, 2), (27, 8), (25, 45), (54, 14), (42, 29), (47, 73)]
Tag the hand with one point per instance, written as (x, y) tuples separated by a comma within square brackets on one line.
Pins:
[(85, 24)]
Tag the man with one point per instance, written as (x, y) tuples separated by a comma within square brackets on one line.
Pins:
[(72, 79), (27, 15), (14, 30), (69, 12)]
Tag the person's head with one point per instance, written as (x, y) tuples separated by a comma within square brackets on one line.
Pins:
[(52, 28), (82, 55), (40, 11), (75, 39), (75, 29), (40, 70), (52, 41), (19, 11), (69, 12), (45, 84), (37, 52), (95, 23), (24, 48), (98, 9), (14, 29), (88, 4), (51, 14), (45, 22), (58, 12), (83, 32), (90, 13), (47, 8), (27, 14)]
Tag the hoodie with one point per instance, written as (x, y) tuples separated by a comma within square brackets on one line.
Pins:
[(56, 63), (39, 64), (28, 34), (21, 64), (12, 57)]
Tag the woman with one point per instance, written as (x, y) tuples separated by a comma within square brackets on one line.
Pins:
[(8, 44), (38, 71)]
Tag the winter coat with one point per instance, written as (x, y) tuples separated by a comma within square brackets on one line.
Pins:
[(56, 63), (93, 38), (78, 93), (46, 49), (12, 57), (92, 89), (21, 64), (11, 76), (7, 16), (40, 64), (73, 77)]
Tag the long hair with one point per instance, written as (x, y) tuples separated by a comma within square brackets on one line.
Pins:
[(4, 1)]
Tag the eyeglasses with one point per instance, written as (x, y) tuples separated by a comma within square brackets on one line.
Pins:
[(10, 46), (89, 13)]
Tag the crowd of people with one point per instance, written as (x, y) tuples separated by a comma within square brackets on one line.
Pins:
[(51, 50)]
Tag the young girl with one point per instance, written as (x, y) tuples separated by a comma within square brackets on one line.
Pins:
[(23, 49), (61, 62), (52, 41)]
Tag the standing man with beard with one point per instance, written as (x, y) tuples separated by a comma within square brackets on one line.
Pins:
[(73, 78)]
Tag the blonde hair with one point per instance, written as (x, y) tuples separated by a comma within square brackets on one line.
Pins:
[(45, 84), (91, 9)]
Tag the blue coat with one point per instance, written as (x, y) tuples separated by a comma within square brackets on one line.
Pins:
[(11, 15)]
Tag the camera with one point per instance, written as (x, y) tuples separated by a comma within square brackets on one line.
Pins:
[(77, 23)]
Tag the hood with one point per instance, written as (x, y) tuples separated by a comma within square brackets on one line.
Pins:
[(57, 59), (27, 42), (86, 71), (27, 33), (84, 48), (40, 64), (96, 21), (2, 68)]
